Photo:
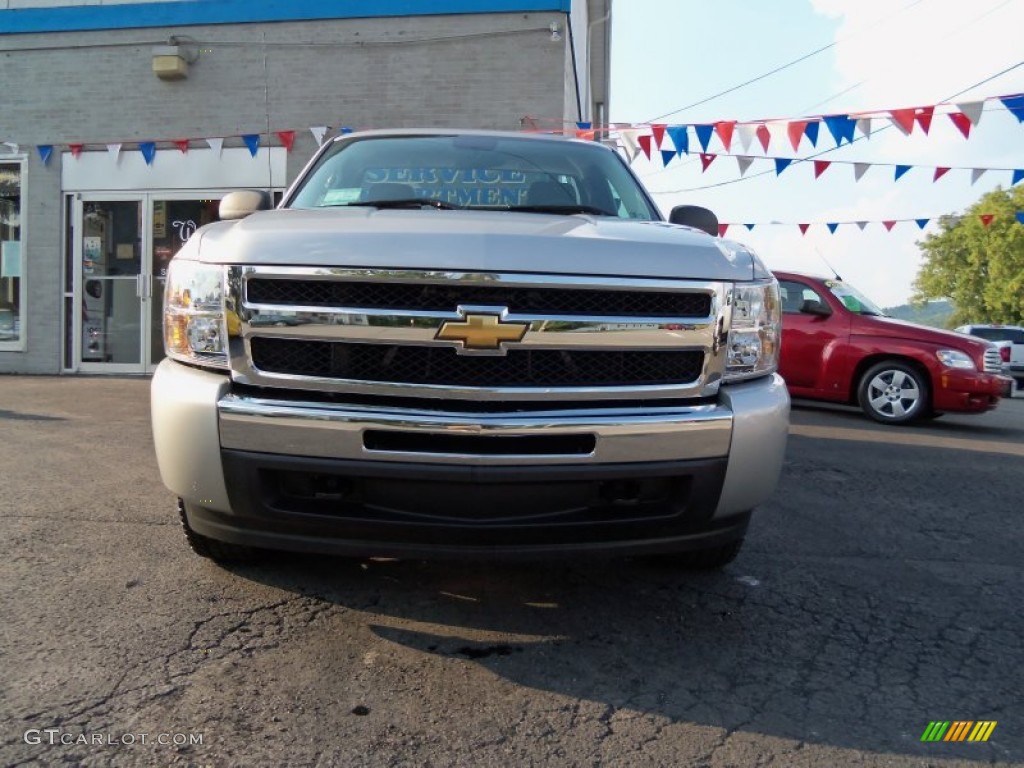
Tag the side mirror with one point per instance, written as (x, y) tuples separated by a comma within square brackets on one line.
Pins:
[(812, 307), (239, 204), (696, 217)]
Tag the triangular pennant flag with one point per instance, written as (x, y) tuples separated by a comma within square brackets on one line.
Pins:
[(903, 119), (900, 170), (820, 166), (803, 228), (940, 172), (781, 163), (859, 169), (864, 126), (811, 132), (181, 144), (1018, 174), (114, 150), (45, 150), (962, 123), (778, 130), (889, 225), (841, 127), (216, 145), (724, 129), (973, 110), (12, 146), (76, 149), (977, 173), (922, 223), (148, 150), (645, 144), (750, 227), (796, 131), (923, 115), (318, 131), (629, 137), (743, 161), (763, 136), (658, 130), (584, 126), (706, 160), (832, 226), (345, 130), (986, 218), (861, 225), (667, 155), (747, 132), (287, 139), (252, 141), (704, 135), (680, 139), (722, 229), (1020, 217), (1016, 105)]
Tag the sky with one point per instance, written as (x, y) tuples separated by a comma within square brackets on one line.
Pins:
[(877, 55)]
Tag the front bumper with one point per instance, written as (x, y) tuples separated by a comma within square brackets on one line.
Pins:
[(970, 391), (316, 476)]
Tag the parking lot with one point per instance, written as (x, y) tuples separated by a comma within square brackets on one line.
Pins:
[(880, 590)]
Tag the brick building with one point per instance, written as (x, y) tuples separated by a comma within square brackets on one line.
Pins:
[(122, 124)]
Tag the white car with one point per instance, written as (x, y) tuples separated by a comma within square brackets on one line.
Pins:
[(1009, 340)]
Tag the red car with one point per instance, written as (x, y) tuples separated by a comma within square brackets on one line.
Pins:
[(838, 346)]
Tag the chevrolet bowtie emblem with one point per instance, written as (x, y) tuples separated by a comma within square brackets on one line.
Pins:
[(482, 332)]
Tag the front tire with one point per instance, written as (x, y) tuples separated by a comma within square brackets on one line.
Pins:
[(211, 549), (891, 392)]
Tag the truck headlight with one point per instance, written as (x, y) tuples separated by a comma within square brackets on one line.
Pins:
[(195, 328), (755, 332), (954, 358)]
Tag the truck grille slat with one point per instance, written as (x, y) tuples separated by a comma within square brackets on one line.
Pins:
[(446, 297), (443, 366)]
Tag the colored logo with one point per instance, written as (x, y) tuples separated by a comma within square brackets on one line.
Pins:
[(958, 730), (482, 332)]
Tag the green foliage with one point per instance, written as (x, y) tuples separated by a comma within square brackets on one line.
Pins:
[(936, 314), (979, 268)]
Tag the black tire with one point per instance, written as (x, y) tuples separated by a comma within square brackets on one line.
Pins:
[(711, 559), (893, 392), (218, 551)]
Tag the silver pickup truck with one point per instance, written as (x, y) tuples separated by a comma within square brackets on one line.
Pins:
[(468, 344)]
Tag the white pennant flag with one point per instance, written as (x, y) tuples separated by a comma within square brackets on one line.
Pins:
[(216, 145), (746, 132), (114, 150), (744, 163), (864, 126), (859, 169), (862, 224), (319, 131), (973, 110), (977, 173), (12, 147), (629, 142)]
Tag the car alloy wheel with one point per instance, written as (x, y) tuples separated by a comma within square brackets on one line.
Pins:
[(894, 393)]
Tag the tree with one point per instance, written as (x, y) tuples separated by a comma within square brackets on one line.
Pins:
[(979, 268)]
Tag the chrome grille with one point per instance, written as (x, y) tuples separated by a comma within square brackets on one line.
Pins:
[(993, 362)]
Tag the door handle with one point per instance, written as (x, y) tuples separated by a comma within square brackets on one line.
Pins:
[(140, 286)]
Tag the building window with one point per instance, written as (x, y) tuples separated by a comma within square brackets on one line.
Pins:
[(12, 261)]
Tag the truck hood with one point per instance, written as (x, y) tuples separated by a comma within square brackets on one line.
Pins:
[(476, 241), (891, 328)]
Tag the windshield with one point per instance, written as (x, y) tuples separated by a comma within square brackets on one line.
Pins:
[(852, 299), (475, 172)]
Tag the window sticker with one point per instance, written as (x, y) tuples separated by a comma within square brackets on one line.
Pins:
[(341, 196)]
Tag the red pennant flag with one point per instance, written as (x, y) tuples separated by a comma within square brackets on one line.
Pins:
[(904, 119), (181, 144), (659, 133), (724, 129), (706, 160), (764, 136), (962, 122), (924, 118), (76, 149), (820, 166), (803, 228), (796, 132), (581, 133), (287, 139), (940, 172), (986, 218), (645, 144), (888, 225), (722, 229)]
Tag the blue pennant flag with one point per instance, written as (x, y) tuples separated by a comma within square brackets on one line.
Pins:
[(841, 127), (148, 150), (1020, 217), (781, 164), (704, 135), (811, 132), (584, 126), (900, 170), (252, 141), (345, 129), (1018, 174), (680, 138), (45, 150), (666, 156), (832, 226), (1016, 105), (750, 227), (922, 223)]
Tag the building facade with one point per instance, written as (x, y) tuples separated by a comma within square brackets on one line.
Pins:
[(123, 123)]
